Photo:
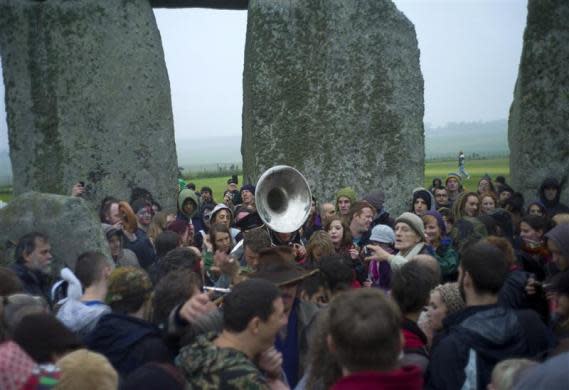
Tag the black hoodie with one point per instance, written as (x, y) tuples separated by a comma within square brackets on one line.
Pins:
[(554, 206), (479, 337), (128, 342)]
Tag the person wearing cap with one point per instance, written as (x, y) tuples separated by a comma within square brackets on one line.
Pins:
[(206, 199), (223, 214), (345, 198), (125, 336), (445, 300), (188, 211), (380, 271), (381, 217), (454, 186), (248, 195), (423, 201), (409, 241), (232, 188), (550, 193), (278, 266)]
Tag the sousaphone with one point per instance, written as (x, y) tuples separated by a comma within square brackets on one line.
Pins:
[(283, 199)]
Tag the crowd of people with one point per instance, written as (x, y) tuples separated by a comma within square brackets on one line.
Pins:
[(468, 289)]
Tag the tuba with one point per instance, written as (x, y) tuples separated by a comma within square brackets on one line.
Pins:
[(283, 199)]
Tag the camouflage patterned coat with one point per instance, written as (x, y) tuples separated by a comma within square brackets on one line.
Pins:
[(206, 367)]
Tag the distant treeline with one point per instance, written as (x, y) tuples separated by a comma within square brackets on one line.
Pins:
[(209, 171)]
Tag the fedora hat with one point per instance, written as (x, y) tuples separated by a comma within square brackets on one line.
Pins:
[(277, 265)]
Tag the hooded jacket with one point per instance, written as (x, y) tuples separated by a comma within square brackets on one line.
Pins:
[(479, 337), (182, 197), (79, 317), (207, 366), (554, 206), (128, 342), (348, 192), (194, 218)]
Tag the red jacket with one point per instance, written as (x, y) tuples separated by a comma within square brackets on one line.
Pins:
[(406, 378)]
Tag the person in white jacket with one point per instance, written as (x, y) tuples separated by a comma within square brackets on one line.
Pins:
[(81, 312)]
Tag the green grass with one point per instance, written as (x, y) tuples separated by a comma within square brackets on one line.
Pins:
[(217, 185), (476, 168)]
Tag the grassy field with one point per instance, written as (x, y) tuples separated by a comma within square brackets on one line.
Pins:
[(476, 169)]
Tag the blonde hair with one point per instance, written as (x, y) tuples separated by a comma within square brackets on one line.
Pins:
[(158, 225), (86, 370), (506, 373), (320, 240)]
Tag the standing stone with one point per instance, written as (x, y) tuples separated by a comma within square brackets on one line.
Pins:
[(70, 224), (334, 88), (539, 116), (87, 98)]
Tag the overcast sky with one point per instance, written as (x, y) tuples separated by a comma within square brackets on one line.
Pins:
[(470, 52)]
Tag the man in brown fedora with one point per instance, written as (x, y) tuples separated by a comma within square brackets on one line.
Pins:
[(276, 265)]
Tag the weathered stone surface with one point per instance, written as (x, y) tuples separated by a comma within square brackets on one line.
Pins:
[(217, 4), (539, 116), (70, 223), (334, 88), (87, 98)]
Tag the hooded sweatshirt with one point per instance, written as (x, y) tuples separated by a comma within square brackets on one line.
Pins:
[(193, 218), (207, 366), (479, 337), (81, 317), (554, 206)]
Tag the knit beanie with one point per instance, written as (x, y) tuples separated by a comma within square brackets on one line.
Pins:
[(218, 207), (383, 234), (248, 187), (455, 176), (450, 295), (348, 192), (86, 370), (414, 221), (376, 199), (425, 195), (560, 235), (440, 221)]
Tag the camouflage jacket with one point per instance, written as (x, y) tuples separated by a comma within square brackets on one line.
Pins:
[(206, 367)]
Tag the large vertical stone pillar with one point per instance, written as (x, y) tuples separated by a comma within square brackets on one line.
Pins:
[(87, 97), (539, 116), (334, 88)]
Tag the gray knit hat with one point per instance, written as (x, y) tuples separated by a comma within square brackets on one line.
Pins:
[(450, 295), (383, 234), (414, 221)]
